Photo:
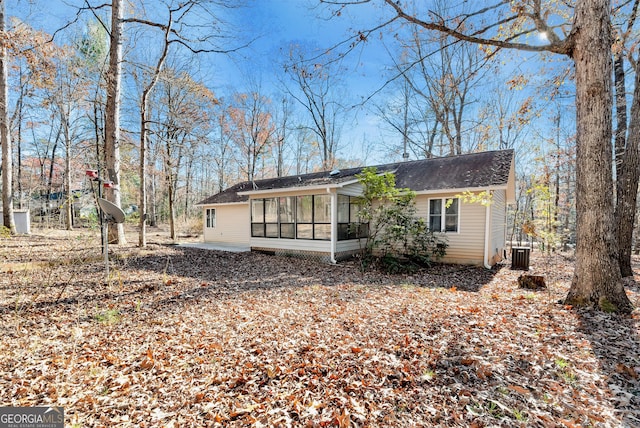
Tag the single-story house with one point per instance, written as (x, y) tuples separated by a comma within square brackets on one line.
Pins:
[(313, 214)]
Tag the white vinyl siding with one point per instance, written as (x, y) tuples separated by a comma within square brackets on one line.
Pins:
[(466, 246), (292, 244), (351, 245), (231, 225), (354, 189), (498, 225)]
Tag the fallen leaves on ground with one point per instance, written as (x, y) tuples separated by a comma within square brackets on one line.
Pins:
[(188, 337)]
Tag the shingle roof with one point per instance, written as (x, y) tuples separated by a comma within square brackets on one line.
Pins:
[(474, 170)]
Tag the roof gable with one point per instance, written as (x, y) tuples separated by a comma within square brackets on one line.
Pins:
[(474, 170)]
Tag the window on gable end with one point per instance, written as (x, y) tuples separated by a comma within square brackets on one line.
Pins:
[(211, 217)]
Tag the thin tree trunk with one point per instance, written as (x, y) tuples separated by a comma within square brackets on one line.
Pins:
[(556, 196), (19, 114), (170, 189), (112, 123), (152, 193), (67, 169), (187, 188), (144, 113), (5, 136), (142, 209), (597, 281), (172, 217)]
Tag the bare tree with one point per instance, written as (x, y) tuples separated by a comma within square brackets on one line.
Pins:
[(408, 116), (251, 128), (282, 118), (222, 150), (144, 119), (181, 114), (445, 74), (315, 89)]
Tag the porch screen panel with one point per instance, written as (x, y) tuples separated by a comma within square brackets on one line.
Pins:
[(322, 217), (304, 217), (271, 217), (357, 228), (257, 218), (343, 217), (349, 226), (287, 218)]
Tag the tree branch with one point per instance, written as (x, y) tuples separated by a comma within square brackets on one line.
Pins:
[(560, 46)]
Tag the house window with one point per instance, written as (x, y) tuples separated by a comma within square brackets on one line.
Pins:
[(211, 217), (444, 214), (349, 226)]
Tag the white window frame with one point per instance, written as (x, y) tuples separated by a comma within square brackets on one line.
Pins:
[(210, 221), (443, 214)]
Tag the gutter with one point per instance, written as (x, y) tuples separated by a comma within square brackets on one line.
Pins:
[(487, 230), (460, 190)]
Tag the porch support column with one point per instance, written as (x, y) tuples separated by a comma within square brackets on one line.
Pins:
[(334, 224)]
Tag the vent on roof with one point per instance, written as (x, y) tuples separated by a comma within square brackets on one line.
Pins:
[(334, 173)]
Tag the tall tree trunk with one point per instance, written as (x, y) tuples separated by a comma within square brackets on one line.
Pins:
[(67, 170), (5, 135), (20, 106), (170, 189), (556, 195), (144, 119), (597, 281), (52, 171), (187, 187), (18, 115), (628, 174), (172, 216), (142, 208), (112, 123)]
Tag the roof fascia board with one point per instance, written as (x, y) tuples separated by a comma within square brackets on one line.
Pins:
[(289, 189), (301, 188), (339, 185), (460, 190)]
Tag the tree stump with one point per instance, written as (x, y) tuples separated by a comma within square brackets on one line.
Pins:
[(532, 282)]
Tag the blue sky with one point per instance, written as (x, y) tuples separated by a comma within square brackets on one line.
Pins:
[(271, 25)]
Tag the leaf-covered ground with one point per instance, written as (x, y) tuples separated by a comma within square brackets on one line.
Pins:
[(187, 337)]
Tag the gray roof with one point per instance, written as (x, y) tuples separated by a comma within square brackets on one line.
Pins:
[(474, 170)]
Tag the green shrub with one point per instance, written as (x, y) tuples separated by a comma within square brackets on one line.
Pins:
[(399, 240)]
